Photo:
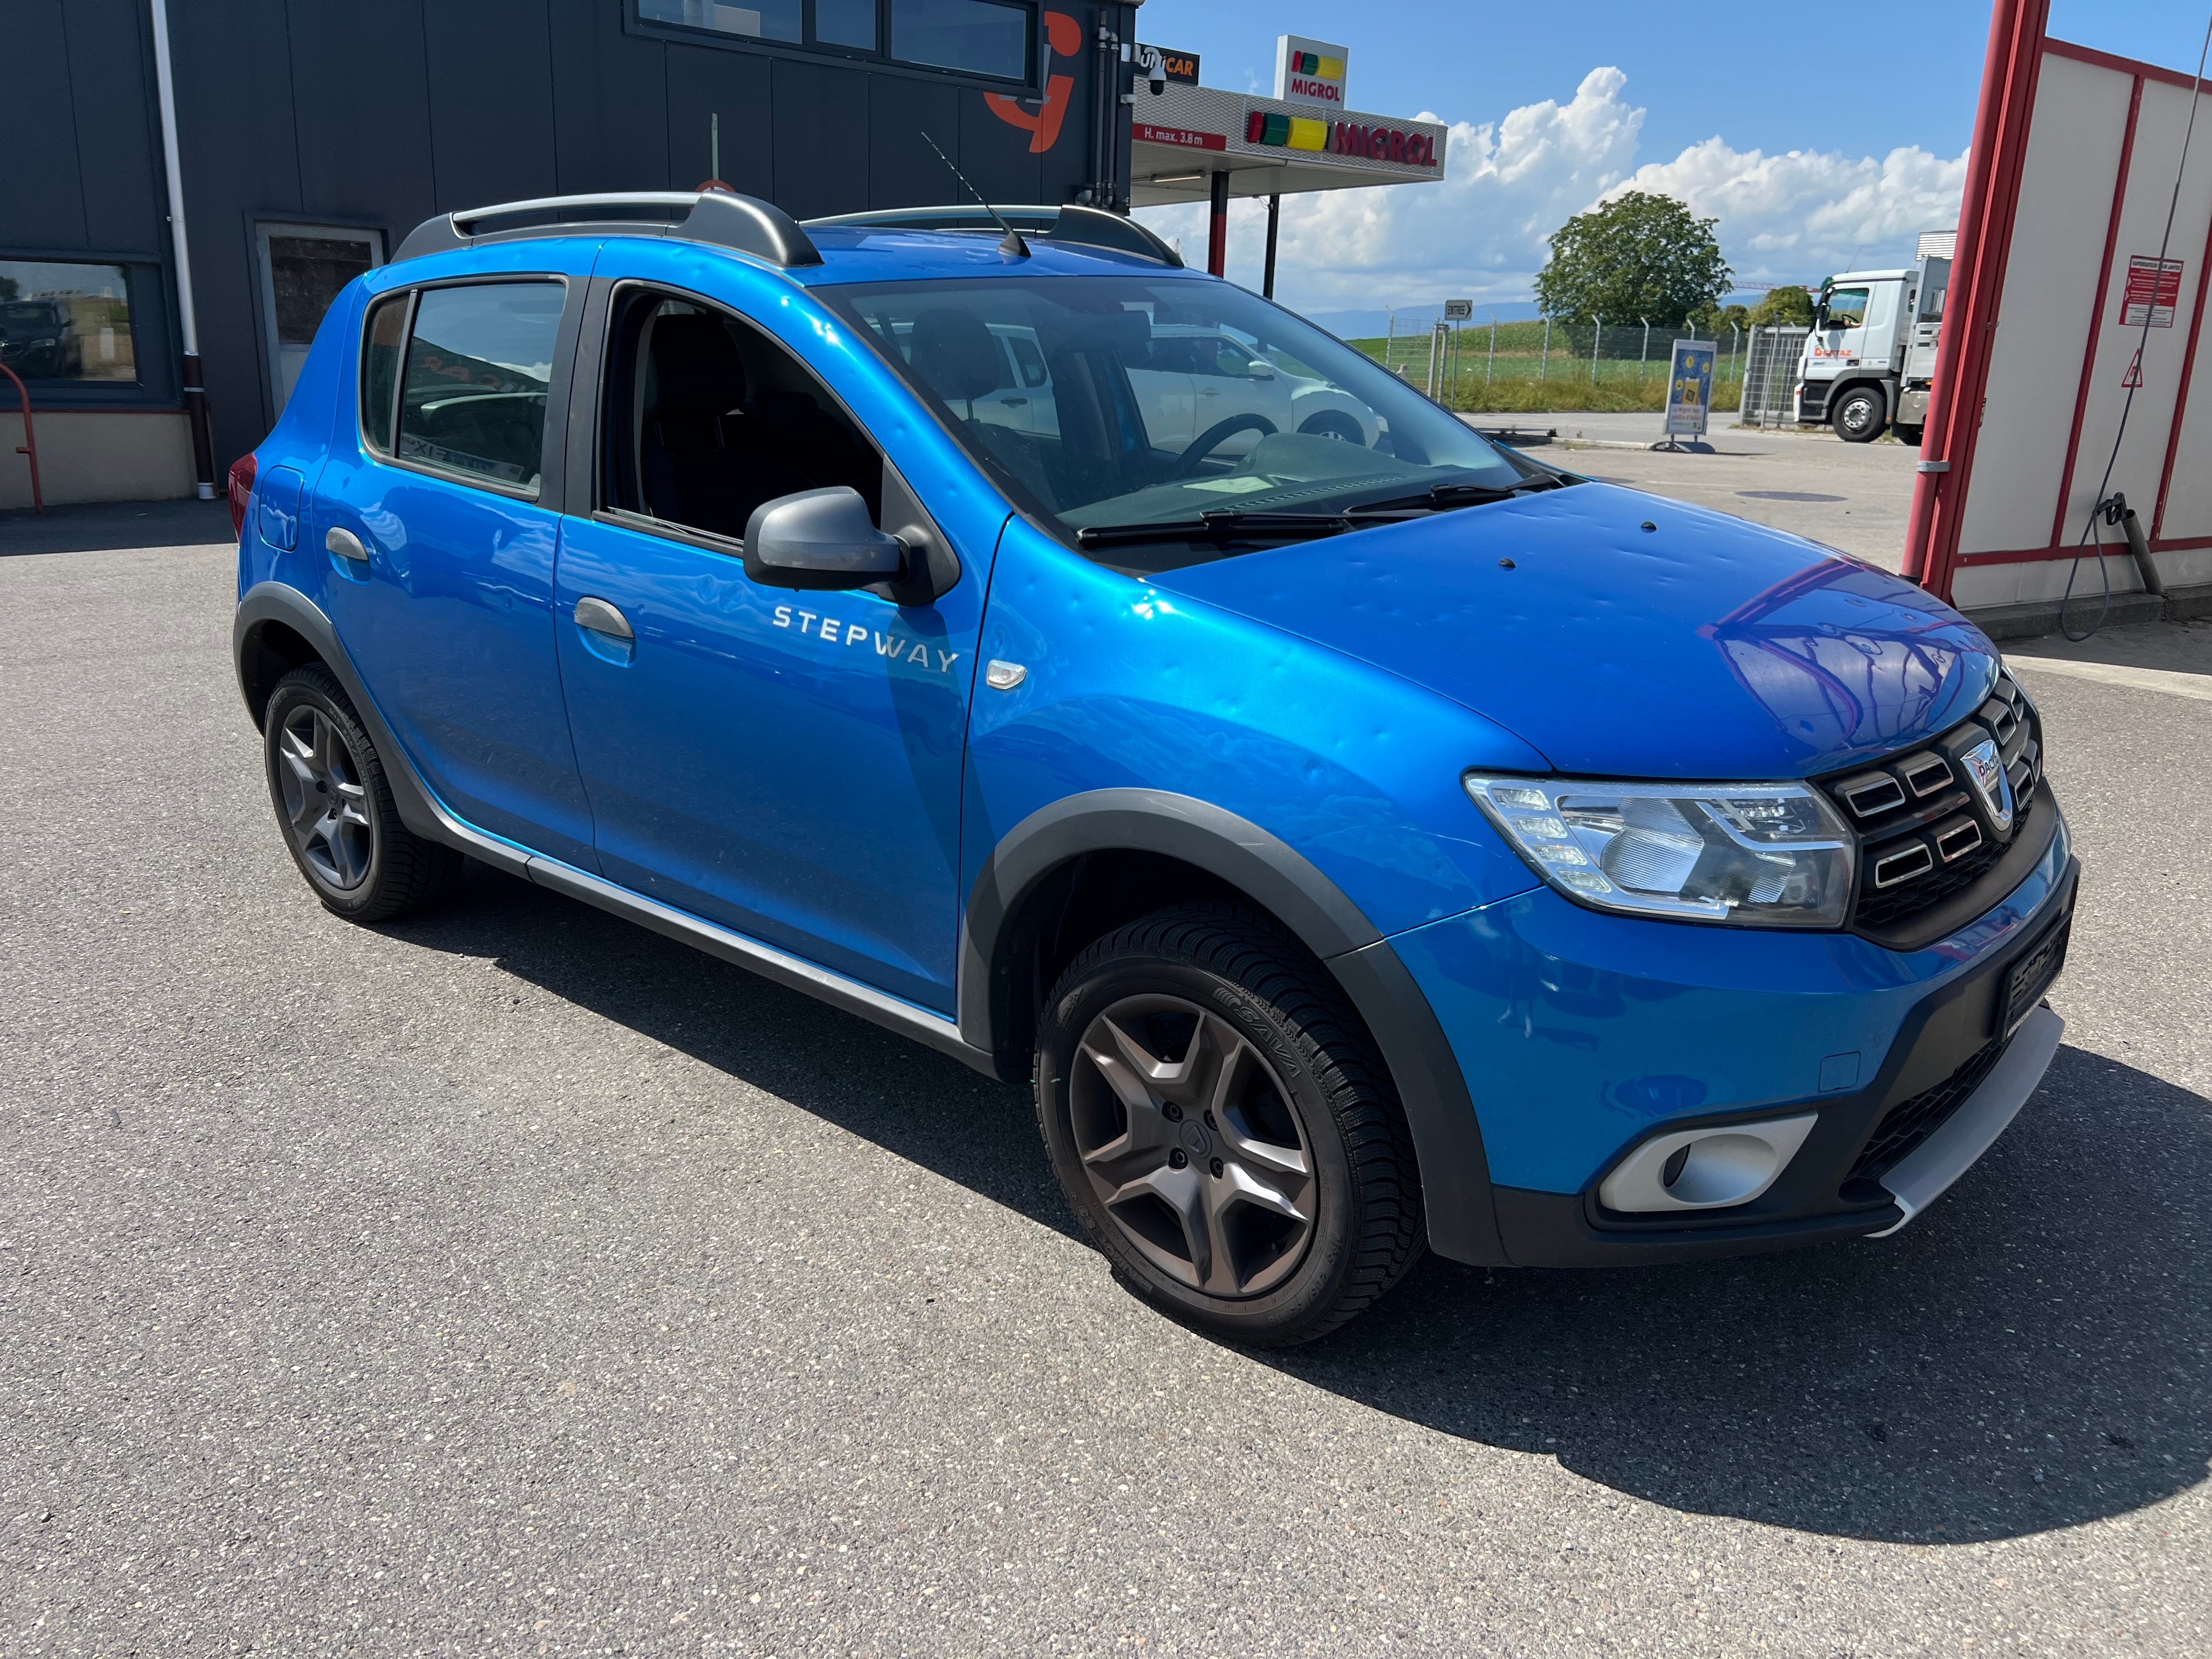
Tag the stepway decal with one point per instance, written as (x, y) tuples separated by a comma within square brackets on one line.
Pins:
[(892, 645)]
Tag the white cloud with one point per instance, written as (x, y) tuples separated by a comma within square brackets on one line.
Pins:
[(1509, 183), (1806, 212)]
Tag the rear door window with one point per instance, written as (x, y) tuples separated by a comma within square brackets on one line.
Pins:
[(478, 364)]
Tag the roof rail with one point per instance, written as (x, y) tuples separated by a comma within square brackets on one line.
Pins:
[(1092, 227), (721, 218)]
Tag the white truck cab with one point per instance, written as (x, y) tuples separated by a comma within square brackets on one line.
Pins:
[(1867, 363)]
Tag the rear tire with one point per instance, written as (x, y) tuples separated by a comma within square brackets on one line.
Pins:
[(1224, 1127), (1861, 415), (336, 810)]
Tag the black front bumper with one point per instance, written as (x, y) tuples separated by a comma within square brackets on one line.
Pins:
[(1824, 1193)]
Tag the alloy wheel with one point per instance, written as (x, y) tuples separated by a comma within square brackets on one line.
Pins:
[(325, 805), (1192, 1145)]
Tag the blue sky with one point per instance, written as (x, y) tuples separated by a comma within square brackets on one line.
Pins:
[(1709, 107)]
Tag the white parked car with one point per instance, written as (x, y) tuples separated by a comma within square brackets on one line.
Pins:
[(1196, 379)]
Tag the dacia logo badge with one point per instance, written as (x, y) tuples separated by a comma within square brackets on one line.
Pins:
[(1985, 771)]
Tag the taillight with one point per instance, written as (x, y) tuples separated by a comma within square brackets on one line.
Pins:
[(241, 492)]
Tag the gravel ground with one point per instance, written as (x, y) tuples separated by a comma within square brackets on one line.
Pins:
[(513, 1281)]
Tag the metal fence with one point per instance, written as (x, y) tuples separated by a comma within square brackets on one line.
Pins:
[(1770, 376), (1543, 364)]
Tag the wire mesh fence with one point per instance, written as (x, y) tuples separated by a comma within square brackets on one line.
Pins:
[(1770, 376), (1545, 365)]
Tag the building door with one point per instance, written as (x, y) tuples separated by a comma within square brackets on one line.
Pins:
[(301, 268)]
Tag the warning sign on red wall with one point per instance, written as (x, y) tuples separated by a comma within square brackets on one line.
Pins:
[(2153, 285)]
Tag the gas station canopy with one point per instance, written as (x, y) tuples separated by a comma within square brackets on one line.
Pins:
[(1183, 135)]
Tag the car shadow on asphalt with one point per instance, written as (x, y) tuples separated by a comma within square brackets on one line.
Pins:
[(108, 526), (908, 1099), (2029, 1355)]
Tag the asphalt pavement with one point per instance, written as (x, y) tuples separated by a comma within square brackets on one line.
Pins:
[(1852, 496), (512, 1280)]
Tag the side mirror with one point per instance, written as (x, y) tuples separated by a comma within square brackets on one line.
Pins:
[(1260, 369), (819, 539)]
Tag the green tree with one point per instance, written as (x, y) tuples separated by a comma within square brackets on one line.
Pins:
[(8, 290), (1783, 305), (1639, 258), (1713, 322)]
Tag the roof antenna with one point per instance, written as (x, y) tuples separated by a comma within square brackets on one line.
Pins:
[(1011, 243)]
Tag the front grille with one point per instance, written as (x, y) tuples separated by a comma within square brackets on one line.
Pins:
[(1910, 1122), (1923, 834)]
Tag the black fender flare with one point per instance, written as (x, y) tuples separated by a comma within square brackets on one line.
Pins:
[(1439, 1109), (269, 602)]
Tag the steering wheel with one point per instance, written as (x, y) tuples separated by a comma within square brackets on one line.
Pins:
[(1210, 440)]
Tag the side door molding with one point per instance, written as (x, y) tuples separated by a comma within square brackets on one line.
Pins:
[(273, 603)]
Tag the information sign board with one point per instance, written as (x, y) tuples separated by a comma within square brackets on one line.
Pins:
[(1458, 310), (1689, 388), (2153, 290)]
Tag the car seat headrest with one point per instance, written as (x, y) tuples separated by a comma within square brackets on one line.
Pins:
[(696, 368), (955, 354)]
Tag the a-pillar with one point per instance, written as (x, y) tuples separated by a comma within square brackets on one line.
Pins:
[(1216, 230)]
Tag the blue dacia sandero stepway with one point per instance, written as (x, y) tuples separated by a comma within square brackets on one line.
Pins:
[(1362, 837)]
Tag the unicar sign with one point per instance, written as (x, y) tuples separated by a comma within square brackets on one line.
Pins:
[(1308, 72)]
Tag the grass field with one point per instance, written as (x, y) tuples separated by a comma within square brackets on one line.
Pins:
[(1521, 377)]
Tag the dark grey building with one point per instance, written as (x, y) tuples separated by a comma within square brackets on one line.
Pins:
[(312, 136)]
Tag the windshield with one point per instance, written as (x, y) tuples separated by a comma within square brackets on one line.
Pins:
[(29, 314), (1121, 411)]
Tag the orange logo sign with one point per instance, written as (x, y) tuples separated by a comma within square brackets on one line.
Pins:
[(1063, 38)]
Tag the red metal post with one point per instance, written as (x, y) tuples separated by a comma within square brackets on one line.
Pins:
[(30, 446), (1216, 230), (1985, 221)]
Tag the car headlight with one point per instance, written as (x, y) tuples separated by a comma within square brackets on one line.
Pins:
[(1766, 854), (48, 340)]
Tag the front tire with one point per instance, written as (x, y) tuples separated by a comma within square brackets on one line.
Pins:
[(1224, 1128), (1861, 415), (1333, 423), (335, 807)]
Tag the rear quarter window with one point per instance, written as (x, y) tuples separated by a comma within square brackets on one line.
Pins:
[(379, 370)]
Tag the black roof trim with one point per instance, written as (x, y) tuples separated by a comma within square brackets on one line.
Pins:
[(721, 218), (1088, 226)]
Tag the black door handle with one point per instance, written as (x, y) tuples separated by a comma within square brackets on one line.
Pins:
[(602, 618)]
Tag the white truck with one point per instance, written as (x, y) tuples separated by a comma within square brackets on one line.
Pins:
[(1867, 363)]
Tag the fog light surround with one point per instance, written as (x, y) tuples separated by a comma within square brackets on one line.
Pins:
[(1711, 1168)]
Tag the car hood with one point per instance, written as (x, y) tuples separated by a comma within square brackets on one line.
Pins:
[(1624, 634)]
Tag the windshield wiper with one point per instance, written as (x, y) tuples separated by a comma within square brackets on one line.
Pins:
[(1224, 522), (1441, 496)]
